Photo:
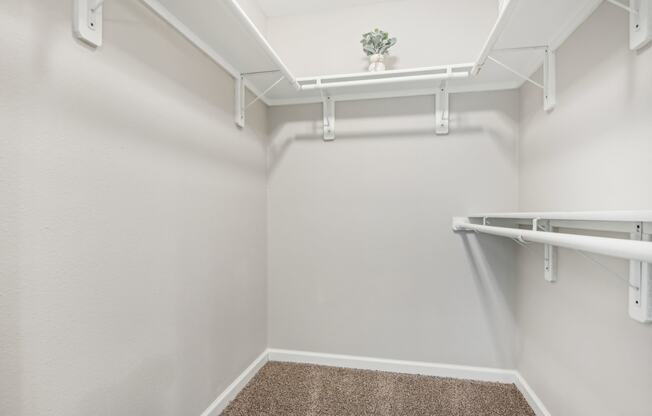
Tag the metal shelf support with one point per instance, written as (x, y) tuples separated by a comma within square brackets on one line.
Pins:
[(442, 113), (329, 118), (240, 107), (640, 282), (549, 80), (549, 85), (549, 251), (640, 21), (515, 72), (240, 96)]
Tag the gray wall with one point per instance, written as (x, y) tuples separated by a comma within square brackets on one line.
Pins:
[(133, 249), (133, 257), (362, 258), (579, 350)]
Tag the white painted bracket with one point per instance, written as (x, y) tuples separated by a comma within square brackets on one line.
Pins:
[(640, 21), (240, 107), (640, 282), (87, 21), (329, 118), (549, 251), (240, 96), (549, 85), (442, 112), (549, 80)]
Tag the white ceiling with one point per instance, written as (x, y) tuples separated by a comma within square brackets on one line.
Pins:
[(275, 8)]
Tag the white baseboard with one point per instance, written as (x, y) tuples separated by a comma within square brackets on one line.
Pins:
[(378, 364), (234, 388), (395, 366), (532, 399)]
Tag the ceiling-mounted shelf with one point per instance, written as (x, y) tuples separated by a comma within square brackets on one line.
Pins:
[(224, 32), (527, 26), (524, 37)]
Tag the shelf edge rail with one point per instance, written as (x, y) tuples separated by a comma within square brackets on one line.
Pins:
[(443, 72)]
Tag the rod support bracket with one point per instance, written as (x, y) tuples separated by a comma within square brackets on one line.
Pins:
[(442, 111), (640, 281), (329, 117), (240, 106), (549, 251)]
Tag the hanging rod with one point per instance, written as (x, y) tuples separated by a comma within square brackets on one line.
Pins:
[(542, 227), (614, 247)]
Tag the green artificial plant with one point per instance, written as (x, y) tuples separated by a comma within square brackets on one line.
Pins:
[(377, 42)]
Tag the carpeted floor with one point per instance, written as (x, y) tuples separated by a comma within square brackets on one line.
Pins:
[(284, 389)]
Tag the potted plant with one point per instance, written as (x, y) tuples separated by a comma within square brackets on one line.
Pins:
[(376, 45)]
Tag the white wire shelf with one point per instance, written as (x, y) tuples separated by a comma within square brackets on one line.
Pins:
[(527, 26), (225, 33), (610, 216)]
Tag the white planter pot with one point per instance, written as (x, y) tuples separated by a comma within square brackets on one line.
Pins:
[(376, 63)]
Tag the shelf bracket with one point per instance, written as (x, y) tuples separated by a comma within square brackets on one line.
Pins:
[(87, 21), (549, 85), (640, 282), (240, 95), (640, 21), (264, 93), (329, 118), (549, 80), (549, 251), (442, 113), (515, 72), (240, 101)]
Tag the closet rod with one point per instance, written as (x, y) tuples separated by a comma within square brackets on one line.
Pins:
[(615, 247)]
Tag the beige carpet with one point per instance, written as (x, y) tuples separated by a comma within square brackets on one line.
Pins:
[(309, 390)]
